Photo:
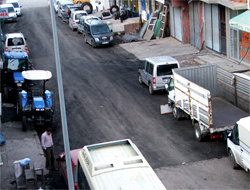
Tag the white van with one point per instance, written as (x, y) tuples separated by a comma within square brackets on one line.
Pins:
[(156, 72), (16, 6), (115, 165), (238, 144), (12, 16)]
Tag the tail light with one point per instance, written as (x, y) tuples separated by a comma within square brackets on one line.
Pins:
[(6, 49), (154, 80), (216, 136), (26, 48), (74, 22)]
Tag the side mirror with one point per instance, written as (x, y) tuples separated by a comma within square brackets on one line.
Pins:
[(20, 6), (166, 87)]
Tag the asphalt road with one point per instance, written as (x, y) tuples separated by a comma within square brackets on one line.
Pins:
[(104, 100)]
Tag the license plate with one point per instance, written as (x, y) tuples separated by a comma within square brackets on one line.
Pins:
[(105, 42), (16, 49)]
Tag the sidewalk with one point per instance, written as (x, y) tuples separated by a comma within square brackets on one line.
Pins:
[(19, 145)]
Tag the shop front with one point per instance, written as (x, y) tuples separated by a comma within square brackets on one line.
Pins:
[(240, 37)]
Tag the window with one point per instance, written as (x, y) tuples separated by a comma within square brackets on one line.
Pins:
[(17, 64), (235, 135), (81, 178), (165, 69), (100, 29), (15, 41), (150, 70), (171, 84)]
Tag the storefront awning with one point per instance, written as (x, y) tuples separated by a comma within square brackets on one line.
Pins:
[(241, 21)]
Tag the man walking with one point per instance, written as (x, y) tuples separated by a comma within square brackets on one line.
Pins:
[(48, 147)]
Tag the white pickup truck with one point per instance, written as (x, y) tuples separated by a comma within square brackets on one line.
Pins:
[(210, 114), (238, 144)]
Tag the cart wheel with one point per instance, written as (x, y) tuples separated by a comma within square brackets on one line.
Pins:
[(24, 124)]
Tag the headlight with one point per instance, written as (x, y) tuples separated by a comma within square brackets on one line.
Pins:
[(97, 39), (111, 37), (40, 109)]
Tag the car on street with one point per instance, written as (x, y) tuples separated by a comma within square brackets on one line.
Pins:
[(75, 17), (56, 5), (155, 72), (83, 19), (61, 7), (16, 6), (62, 165), (97, 33), (68, 10), (12, 16), (15, 42)]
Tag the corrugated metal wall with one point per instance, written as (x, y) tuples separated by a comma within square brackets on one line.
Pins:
[(201, 76), (219, 82)]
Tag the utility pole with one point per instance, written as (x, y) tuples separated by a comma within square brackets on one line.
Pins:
[(61, 99)]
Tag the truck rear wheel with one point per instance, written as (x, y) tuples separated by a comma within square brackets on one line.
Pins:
[(176, 114), (87, 7), (197, 131), (233, 163)]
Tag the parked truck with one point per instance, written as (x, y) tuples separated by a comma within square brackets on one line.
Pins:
[(238, 144), (194, 93)]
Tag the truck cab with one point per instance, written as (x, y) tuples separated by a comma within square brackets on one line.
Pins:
[(238, 144)]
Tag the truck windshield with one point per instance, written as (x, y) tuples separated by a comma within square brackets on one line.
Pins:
[(16, 64), (15, 5), (166, 69), (102, 29)]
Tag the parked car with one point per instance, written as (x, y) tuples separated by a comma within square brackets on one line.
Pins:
[(83, 19), (12, 16), (15, 42), (68, 10), (16, 6), (97, 33), (74, 18), (61, 7), (155, 72), (62, 165), (56, 5)]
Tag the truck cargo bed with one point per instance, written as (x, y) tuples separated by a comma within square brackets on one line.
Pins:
[(224, 113)]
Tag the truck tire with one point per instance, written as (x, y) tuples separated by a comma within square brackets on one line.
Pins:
[(233, 163), (113, 9), (140, 79), (176, 114), (87, 7), (197, 131), (150, 89), (24, 123)]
